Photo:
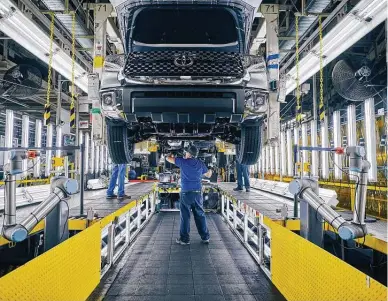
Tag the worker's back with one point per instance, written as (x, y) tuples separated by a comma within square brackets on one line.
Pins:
[(191, 173)]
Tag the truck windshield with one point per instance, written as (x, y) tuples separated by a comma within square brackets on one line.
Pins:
[(215, 26)]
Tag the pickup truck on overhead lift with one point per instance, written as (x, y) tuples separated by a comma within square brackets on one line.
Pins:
[(186, 74)]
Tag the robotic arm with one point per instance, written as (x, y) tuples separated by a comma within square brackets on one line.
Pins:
[(61, 188), (306, 189)]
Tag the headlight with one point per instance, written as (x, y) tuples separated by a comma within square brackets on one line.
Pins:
[(255, 99), (108, 99)]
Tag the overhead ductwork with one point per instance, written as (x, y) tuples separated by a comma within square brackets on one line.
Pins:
[(314, 7), (66, 20)]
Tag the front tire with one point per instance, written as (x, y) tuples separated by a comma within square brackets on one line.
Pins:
[(248, 151), (119, 146)]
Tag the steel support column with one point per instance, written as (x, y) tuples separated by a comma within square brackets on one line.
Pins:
[(38, 143), (351, 131), (277, 159), (314, 143), (272, 25), (97, 159), (271, 160), (283, 154), (25, 138), (87, 149), (49, 153), (92, 156), (305, 154), (324, 143), (337, 143), (370, 138), (102, 158), (267, 159), (9, 126)]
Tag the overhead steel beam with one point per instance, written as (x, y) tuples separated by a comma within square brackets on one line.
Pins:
[(46, 22)]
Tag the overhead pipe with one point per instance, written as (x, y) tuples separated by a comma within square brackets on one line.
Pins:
[(337, 143), (38, 143), (370, 138)]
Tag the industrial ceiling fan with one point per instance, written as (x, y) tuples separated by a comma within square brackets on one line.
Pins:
[(21, 81), (352, 82)]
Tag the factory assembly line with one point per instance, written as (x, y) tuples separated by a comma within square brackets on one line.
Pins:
[(193, 150)]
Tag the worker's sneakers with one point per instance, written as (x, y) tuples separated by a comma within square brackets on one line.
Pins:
[(205, 241), (248, 189), (179, 242), (237, 189), (113, 196), (123, 197)]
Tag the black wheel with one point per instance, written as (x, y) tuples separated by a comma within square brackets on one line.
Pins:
[(221, 160), (248, 151), (120, 148), (153, 159)]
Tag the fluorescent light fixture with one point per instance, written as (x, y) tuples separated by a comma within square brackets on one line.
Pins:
[(361, 20), (26, 33)]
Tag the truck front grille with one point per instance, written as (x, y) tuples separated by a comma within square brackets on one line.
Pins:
[(184, 63)]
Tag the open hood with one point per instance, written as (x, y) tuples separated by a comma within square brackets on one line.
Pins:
[(216, 23)]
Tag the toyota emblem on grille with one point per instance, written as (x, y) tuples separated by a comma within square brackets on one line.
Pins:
[(183, 60)]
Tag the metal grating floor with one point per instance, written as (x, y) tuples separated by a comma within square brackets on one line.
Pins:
[(156, 268), (262, 203), (103, 207), (268, 206), (95, 199)]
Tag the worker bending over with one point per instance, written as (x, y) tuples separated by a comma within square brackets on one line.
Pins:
[(192, 171)]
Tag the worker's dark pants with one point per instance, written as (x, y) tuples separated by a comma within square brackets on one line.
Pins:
[(242, 172), (192, 200)]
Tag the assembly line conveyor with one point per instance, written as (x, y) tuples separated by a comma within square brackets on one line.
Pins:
[(253, 255)]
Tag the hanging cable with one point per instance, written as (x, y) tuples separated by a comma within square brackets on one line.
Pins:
[(47, 112), (72, 107)]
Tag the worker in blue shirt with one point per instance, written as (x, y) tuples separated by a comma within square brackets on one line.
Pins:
[(118, 175), (192, 171)]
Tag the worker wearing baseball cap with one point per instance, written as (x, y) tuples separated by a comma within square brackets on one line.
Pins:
[(192, 171)]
